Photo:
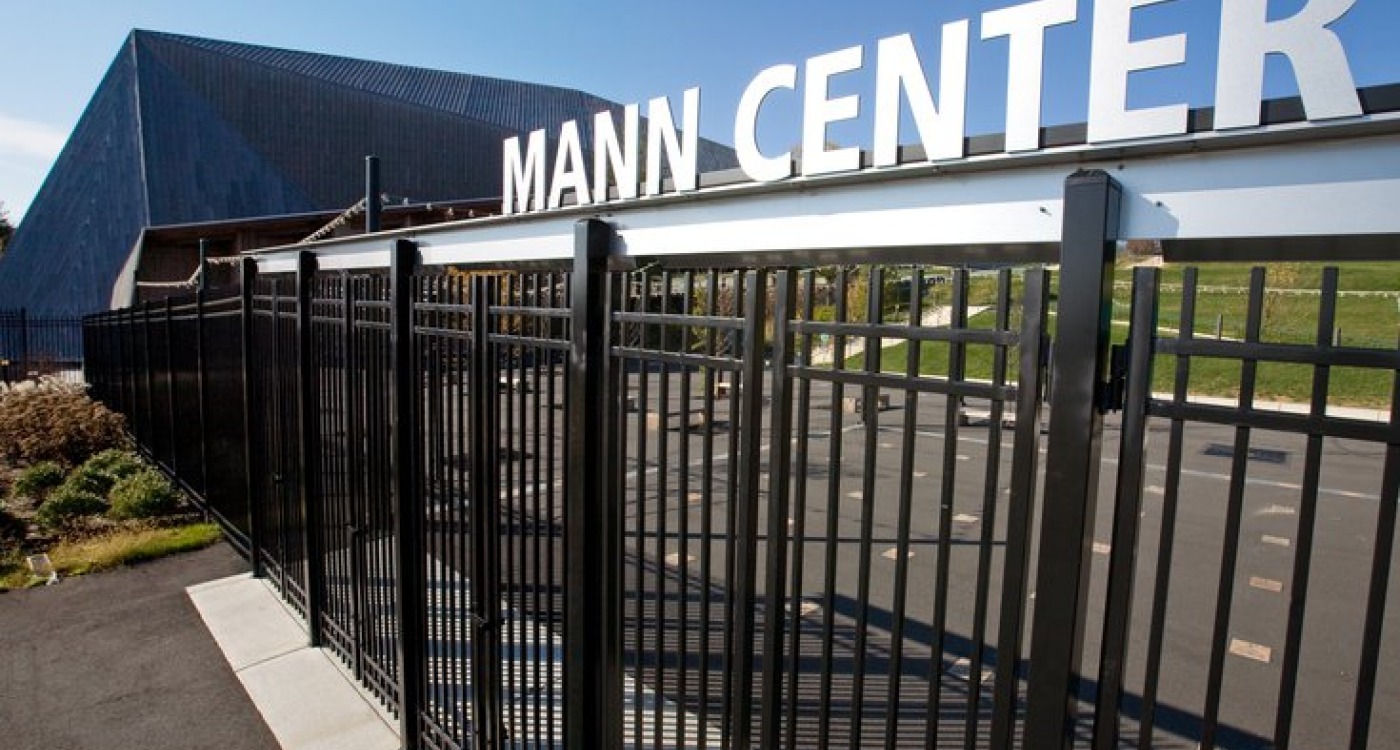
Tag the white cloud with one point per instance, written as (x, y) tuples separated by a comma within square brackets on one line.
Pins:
[(33, 139), (27, 151)]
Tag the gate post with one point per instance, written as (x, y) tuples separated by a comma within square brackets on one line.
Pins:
[(24, 343), (202, 370), (247, 273), (170, 402), (485, 522), (309, 453), (411, 595), (593, 521), (1088, 243), (150, 371)]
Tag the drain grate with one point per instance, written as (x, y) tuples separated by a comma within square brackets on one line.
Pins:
[(1262, 455)]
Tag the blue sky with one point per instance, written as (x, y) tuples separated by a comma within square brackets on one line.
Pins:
[(53, 54)]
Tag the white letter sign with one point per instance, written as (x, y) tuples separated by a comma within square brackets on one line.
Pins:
[(661, 131), (523, 177), (1112, 57), (751, 160), (1319, 62), (819, 111), (1025, 25), (940, 126), (568, 168), (612, 157)]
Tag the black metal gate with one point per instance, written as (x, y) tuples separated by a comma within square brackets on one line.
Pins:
[(1219, 629), (811, 557)]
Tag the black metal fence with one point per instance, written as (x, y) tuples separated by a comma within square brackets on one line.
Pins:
[(37, 345), (777, 504)]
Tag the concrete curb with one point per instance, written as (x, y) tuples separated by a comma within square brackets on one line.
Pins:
[(303, 693)]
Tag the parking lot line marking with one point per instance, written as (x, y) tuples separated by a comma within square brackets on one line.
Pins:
[(1266, 584), (675, 558), (855, 495), (966, 518), (893, 553), (1249, 650), (1277, 510), (1277, 541), (962, 669), (1102, 549), (1252, 481), (920, 474), (1155, 489)]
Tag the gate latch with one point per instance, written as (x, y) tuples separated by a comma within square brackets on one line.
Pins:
[(1113, 394)]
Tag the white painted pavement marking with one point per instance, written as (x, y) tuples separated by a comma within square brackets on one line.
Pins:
[(1266, 584), (1248, 650), (1102, 549), (966, 518), (920, 474), (1277, 541), (1155, 489), (893, 553), (962, 669), (1254, 481), (675, 558), (1276, 510)]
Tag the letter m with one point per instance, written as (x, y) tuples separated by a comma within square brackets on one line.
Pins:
[(522, 178)]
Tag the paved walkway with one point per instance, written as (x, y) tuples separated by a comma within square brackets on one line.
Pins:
[(122, 661), (306, 697)]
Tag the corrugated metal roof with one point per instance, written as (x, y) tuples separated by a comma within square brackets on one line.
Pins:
[(185, 130)]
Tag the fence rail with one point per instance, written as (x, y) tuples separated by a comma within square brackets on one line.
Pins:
[(591, 502), (35, 345)]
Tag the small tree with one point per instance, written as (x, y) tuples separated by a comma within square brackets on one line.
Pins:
[(6, 229)]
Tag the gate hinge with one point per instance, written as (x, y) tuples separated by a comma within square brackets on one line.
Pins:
[(1113, 393)]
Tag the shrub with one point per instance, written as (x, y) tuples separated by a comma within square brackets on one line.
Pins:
[(84, 479), (35, 482), (145, 494), (52, 420), (115, 463), (66, 505)]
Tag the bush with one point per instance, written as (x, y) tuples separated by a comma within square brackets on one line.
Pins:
[(115, 463), (84, 479), (67, 505), (101, 472), (145, 494), (35, 483), (51, 420)]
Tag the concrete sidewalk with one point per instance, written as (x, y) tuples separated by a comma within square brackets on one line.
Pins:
[(304, 695), (122, 661)]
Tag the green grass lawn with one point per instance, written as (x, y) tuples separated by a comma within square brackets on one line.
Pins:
[(1368, 322)]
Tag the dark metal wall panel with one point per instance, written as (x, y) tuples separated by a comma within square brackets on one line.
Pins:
[(310, 133), (199, 166), (75, 237), (514, 105)]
